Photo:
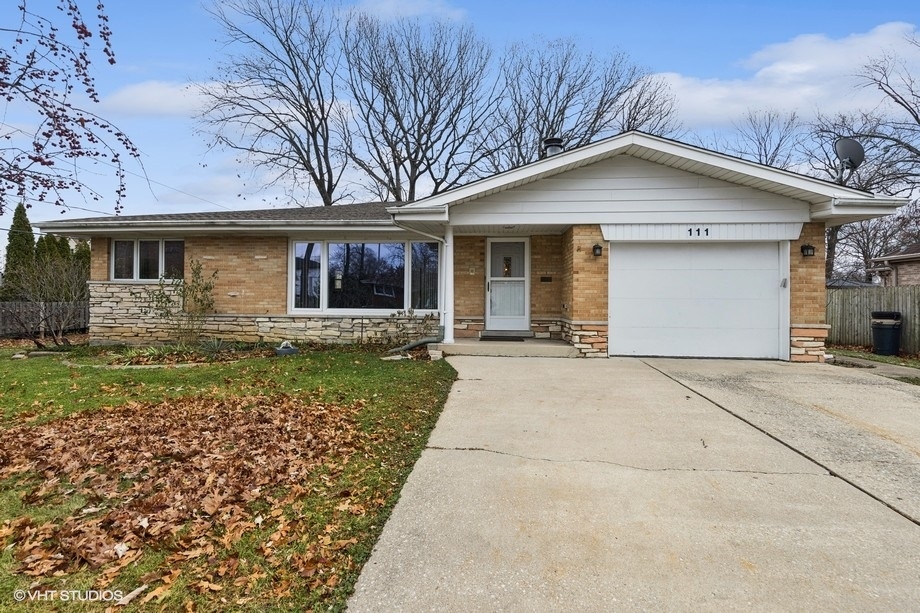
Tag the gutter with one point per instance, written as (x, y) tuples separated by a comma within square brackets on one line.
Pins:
[(845, 202)]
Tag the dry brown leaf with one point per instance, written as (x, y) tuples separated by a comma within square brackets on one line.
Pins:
[(158, 593)]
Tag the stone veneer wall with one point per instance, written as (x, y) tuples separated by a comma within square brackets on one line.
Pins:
[(808, 342), (590, 338), (542, 327), (116, 317)]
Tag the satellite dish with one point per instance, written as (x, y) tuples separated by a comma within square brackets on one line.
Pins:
[(851, 154)]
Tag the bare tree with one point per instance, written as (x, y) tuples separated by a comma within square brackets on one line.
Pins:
[(770, 137), (887, 170), (554, 89), (897, 79), (275, 99), (57, 288), (421, 96), (43, 69)]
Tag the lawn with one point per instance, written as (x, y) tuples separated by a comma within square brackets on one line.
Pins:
[(256, 484), (866, 353)]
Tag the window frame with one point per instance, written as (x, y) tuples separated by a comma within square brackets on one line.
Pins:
[(324, 277), (135, 266)]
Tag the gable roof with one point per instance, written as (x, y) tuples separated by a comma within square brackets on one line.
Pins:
[(829, 200)]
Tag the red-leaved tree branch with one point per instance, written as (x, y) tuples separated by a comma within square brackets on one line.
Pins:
[(45, 131)]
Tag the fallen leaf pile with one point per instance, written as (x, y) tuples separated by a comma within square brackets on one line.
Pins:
[(189, 356), (187, 476)]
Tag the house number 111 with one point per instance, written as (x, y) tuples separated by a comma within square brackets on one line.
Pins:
[(697, 232)]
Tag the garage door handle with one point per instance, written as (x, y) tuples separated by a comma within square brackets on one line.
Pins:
[(784, 282)]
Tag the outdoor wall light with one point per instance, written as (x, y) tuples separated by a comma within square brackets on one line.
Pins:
[(597, 250), (808, 251)]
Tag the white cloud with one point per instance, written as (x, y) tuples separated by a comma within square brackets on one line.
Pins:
[(153, 98), (808, 73), (390, 9)]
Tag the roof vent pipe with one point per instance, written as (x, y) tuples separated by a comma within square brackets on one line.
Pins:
[(552, 146)]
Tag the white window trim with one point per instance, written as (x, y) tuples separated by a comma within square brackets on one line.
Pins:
[(324, 275), (136, 264)]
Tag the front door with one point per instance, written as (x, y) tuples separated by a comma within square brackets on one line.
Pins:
[(507, 288)]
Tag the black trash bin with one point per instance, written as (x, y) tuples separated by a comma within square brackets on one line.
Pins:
[(886, 332)]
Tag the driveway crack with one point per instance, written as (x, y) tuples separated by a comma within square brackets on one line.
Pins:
[(629, 466)]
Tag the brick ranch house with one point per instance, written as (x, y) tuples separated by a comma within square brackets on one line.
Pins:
[(633, 245)]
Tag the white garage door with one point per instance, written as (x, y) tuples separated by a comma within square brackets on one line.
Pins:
[(713, 300)]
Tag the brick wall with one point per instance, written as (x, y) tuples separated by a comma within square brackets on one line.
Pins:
[(584, 290), (808, 296), (907, 273), (469, 276), (252, 272), (546, 276), (565, 289), (589, 275), (99, 259)]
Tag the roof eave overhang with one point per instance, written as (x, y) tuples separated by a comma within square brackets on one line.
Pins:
[(428, 214), (124, 227), (897, 258), (840, 210)]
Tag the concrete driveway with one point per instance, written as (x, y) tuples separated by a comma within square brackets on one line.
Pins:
[(553, 484)]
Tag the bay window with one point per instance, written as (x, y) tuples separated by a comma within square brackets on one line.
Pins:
[(390, 276)]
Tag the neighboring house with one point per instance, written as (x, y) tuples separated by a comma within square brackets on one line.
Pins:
[(899, 268), (847, 284), (634, 245)]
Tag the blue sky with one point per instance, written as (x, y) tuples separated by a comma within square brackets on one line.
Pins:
[(720, 58)]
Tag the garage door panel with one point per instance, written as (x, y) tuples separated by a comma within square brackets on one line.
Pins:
[(695, 314), (697, 284), (714, 343), (712, 300), (720, 256)]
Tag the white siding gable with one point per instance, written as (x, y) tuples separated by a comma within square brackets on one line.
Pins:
[(627, 190)]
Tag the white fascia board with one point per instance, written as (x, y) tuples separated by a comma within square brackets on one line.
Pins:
[(897, 258), (209, 227), (426, 213)]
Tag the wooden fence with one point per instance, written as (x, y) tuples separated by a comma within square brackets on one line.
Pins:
[(14, 314), (849, 313)]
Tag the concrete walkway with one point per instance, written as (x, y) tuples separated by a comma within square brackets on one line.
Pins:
[(554, 485)]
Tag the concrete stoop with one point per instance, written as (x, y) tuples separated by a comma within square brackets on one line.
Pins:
[(528, 348)]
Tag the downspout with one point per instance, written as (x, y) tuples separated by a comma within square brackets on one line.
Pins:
[(422, 341)]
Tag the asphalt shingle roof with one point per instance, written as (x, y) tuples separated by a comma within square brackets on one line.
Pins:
[(368, 211), (912, 249)]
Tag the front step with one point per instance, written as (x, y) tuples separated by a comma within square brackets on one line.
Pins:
[(530, 348), (506, 334)]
